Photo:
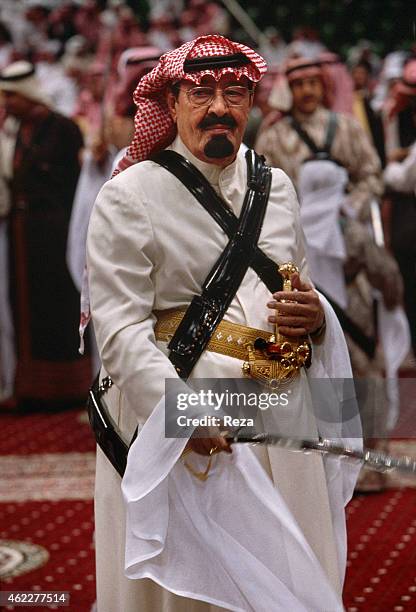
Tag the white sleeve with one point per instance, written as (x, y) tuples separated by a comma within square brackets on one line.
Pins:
[(401, 176), (91, 179), (121, 257)]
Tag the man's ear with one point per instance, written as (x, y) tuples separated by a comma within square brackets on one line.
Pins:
[(171, 101)]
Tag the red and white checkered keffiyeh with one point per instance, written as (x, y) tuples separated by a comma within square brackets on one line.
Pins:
[(154, 127)]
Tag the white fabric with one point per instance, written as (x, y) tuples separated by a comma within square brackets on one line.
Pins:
[(6, 53), (118, 158), (401, 176), (163, 248), (91, 179), (173, 519), (200, 541), (321, 190), (394, 333), (89, 184), (392, 70), (60, 89), (30, 87), (8, 136)]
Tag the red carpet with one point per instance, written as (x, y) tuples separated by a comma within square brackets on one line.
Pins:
[(46, 521), (65, 530), (381, 574), (46, 494)]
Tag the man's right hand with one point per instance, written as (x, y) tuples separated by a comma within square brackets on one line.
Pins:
[(398, 155), (207, 440), (99, 150)]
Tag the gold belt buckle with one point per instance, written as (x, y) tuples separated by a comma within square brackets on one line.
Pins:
[(277, 361)]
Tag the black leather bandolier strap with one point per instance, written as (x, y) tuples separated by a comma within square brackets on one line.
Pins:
[(219, 288), (107, 434), (323, 152), (206, 195), (366, 343)]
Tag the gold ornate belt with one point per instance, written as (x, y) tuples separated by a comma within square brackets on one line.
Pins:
[(272, 359), (229, 339)]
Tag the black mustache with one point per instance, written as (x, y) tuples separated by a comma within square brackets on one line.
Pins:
[(211, 120)]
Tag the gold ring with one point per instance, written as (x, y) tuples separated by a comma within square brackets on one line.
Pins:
[(202, 476)]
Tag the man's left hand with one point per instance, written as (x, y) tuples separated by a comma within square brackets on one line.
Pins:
[(298, 312)]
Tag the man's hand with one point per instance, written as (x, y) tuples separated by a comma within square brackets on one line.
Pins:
[(398, 155), (302, 314), (205, 439), (99, 150)]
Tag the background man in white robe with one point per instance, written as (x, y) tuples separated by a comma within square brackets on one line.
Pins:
[(150, 247), (336, 190)]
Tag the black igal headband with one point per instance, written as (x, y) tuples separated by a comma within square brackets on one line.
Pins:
[(409, 84), (134, 60), (236, 60), (302, 66)]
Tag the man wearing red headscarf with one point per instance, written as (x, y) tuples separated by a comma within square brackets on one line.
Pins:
[(336, 172), (225, 527), (307, 98)]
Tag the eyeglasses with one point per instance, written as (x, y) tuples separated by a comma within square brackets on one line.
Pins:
[(234, 95)]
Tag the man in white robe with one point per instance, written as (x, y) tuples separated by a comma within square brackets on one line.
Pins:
[(336, 172), (150, 247)]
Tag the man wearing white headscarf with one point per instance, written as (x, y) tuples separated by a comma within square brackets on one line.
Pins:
[(40, 162), (261, 530)]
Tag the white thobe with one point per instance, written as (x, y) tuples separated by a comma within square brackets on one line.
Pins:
[(401, 176), (150, 247)]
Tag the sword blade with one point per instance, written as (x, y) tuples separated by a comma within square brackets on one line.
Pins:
[(371, 459)]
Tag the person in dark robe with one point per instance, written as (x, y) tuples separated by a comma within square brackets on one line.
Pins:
[(40, 153), (363, 111), (400, 129)]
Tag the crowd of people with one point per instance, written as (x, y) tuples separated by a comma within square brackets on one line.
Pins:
[(87, 58), (87, 91)]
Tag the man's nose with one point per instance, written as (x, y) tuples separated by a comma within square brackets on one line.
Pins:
[(218, 104), (307, 89)]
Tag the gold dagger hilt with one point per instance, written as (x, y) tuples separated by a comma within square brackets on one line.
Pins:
[(287, 355), (286, 270)]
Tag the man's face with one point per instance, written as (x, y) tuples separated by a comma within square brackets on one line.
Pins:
[(212, 132), (16, 104), (96, 85), (361, 77), (307, 94)]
